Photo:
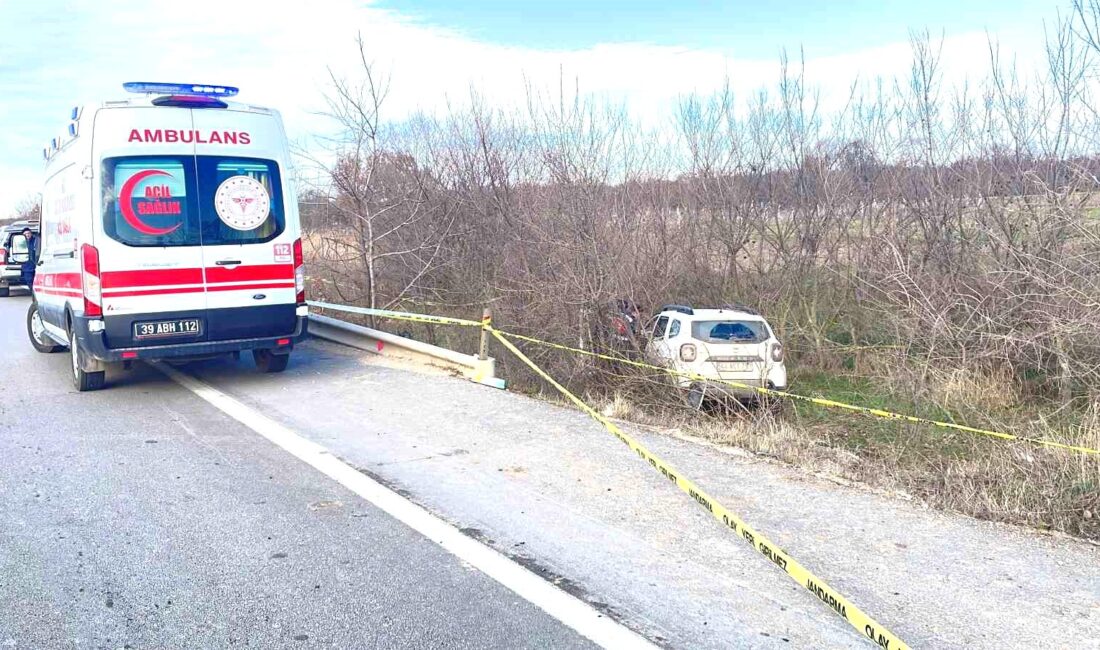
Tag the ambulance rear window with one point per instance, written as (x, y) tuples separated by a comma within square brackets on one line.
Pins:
[(191, 200), (146, 201), (240, 200)]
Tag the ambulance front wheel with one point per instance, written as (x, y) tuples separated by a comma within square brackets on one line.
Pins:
[(268, 361)]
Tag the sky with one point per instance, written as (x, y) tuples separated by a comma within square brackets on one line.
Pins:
[(644, 54)]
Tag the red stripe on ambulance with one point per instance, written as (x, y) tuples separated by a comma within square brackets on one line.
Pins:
[(163, 291), (142, 279), (151, 278), (215, 274)]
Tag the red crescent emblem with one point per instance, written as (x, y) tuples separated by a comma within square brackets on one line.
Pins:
[(126, 204)]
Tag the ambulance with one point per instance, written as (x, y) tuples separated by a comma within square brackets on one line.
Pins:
[(169, 231)]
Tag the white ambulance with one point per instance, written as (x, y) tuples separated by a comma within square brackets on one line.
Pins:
[(169, 231)]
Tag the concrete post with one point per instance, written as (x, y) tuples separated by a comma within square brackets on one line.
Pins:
[(483, 349)]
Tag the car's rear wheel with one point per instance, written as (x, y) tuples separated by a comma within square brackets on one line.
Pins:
[(36, 330), (696, 396), (83, 381), (776, 406), (268, 361)]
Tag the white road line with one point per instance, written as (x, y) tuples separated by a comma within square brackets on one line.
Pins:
[(566, 608)]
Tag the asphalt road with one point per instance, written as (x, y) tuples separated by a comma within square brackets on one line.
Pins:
[(140, 517)]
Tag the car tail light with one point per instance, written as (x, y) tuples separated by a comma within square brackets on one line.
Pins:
[(777, 352), (3, 256), (687, 352), (299, 273), (89, 276)]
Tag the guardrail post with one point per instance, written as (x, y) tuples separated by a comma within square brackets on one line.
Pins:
[(483, 348)]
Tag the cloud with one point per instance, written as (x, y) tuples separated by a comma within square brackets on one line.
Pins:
[(54, 54)]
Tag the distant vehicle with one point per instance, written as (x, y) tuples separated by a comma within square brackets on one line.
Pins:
[(13, 253), (733, 343), (169, 231)]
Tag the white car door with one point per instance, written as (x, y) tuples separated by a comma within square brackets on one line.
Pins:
[(657, 350)]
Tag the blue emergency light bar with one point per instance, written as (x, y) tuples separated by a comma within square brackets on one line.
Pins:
[(198, 90)]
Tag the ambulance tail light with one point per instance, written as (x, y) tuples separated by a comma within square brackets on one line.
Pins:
[(89, 275), (299, 273), (3, 256)]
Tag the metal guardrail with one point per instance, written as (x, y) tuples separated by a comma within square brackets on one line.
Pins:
[(471, 366)]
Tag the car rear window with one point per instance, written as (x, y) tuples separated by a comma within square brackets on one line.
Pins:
[(729, 331), (191, 200)]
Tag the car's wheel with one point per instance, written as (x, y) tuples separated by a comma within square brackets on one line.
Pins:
[(775, 406), (36, 330), (5, 292), (83, 381), (696, 396), (268, 361)]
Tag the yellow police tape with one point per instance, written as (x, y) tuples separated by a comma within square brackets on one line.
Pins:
[(844, 608), (889, 415), (831, 597)]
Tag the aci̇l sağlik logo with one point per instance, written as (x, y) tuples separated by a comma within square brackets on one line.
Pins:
[(157, 200)]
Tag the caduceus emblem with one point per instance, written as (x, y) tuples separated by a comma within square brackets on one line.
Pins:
[(242, 202)]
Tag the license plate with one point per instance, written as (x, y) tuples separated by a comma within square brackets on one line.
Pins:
[(166, 328), (734, 366)]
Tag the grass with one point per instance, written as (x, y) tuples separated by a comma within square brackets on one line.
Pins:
[(862, 433)]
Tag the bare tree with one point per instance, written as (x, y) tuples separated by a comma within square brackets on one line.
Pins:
[(384, 222)]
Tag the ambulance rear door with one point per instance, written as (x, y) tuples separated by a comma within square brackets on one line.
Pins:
[(149, 234), (249, 223)]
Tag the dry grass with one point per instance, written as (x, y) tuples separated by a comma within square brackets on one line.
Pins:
[(1047, 489)]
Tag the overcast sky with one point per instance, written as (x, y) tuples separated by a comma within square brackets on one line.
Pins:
[(55, 54)]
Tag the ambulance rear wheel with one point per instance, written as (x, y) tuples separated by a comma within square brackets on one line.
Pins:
[(83, 381), (37, 331), (267, 361)]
